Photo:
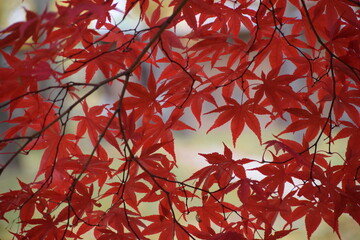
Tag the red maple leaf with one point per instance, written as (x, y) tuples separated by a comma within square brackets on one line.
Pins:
[(239, 114)]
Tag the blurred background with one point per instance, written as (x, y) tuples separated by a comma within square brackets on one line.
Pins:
[(188, 144)]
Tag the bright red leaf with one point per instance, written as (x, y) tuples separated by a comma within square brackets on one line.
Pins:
[(100, 95)]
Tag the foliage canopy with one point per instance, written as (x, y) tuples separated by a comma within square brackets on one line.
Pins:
[(252, 64)]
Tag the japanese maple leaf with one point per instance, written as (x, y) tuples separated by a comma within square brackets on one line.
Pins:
[(130, 4), (278, 234), (98, 10), (164, 223), (352, 164), (221, 171), (15, 199), (95, 57), (94, 124), (82, 200), (46, 228), (277, 175), (192, 8), (228, 236), (168, 39), (278, 50), (197, 100), (311, 120), (276, 90), (239, 114), (129, 191), (350, 130), (179, 82), (97, 170), (165, 226), (144, 101), (121, 220), (214, 44), (234, 16), (20, 32), (56, 145), (21, 77), (37, 114), (347, 99), (211, 212), (159, 131)]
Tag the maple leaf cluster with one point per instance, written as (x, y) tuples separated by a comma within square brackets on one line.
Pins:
[(102, 164)]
